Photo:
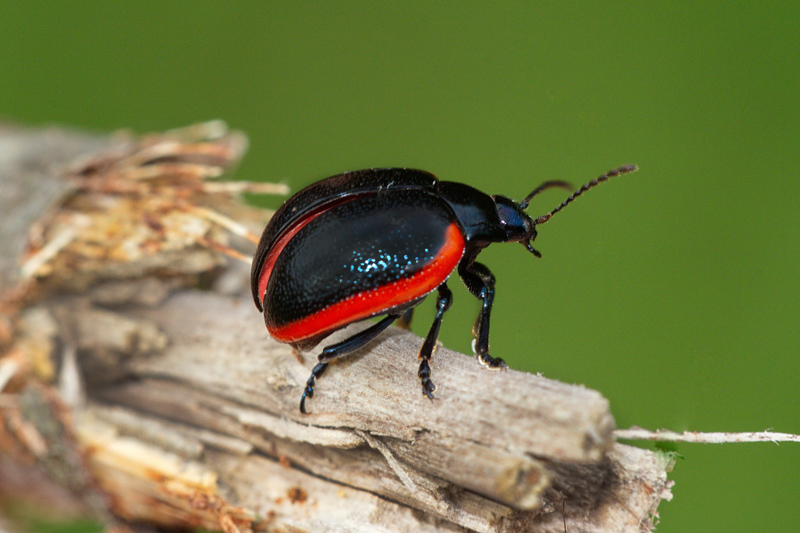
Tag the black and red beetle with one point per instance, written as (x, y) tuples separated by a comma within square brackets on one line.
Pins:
[(376, 242)]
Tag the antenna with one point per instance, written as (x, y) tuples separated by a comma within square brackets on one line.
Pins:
[(625, 169), (544, 186)]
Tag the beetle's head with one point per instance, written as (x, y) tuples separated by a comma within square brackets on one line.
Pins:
[(520, 227)]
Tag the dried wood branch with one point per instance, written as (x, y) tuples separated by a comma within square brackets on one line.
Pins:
[(716, 437), (188, 412)]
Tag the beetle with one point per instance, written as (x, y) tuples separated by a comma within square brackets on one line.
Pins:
[(376, 242)]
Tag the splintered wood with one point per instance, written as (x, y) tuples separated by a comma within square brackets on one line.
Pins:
[(174, 407), (142, 207)]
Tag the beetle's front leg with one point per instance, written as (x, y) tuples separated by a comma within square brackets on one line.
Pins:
[(480, 282)]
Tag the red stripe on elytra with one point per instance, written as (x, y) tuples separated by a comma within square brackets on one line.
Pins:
[(370, 303), (280, 244)]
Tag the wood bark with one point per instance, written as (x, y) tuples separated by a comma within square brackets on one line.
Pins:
[(174, 407)]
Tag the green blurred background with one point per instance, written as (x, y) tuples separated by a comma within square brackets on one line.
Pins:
[(673, 291)]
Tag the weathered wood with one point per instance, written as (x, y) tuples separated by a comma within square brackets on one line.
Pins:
[(187, 414), (376, 391), (32, 164)]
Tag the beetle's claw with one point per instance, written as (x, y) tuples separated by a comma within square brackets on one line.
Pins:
[(425, 375), (492, 363), (303, 404), (428, 388), (308, 393), (309, 390)]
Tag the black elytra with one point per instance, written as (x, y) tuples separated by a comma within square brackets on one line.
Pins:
[(376, 242)]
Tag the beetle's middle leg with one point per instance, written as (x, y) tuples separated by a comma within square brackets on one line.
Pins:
[(334, 351), (405, 319), (443, 303), (480, 282)]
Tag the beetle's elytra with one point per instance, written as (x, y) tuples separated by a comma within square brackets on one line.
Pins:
[(376, 242)]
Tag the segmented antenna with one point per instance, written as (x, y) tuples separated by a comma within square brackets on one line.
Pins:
[(544, 186), (597, 181)]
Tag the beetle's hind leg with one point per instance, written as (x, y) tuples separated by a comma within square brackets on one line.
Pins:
[(334, 351), (443, 303)]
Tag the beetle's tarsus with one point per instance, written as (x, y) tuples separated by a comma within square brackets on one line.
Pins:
[(493, 363), (428, 388), (425, 376), (309, 390)]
